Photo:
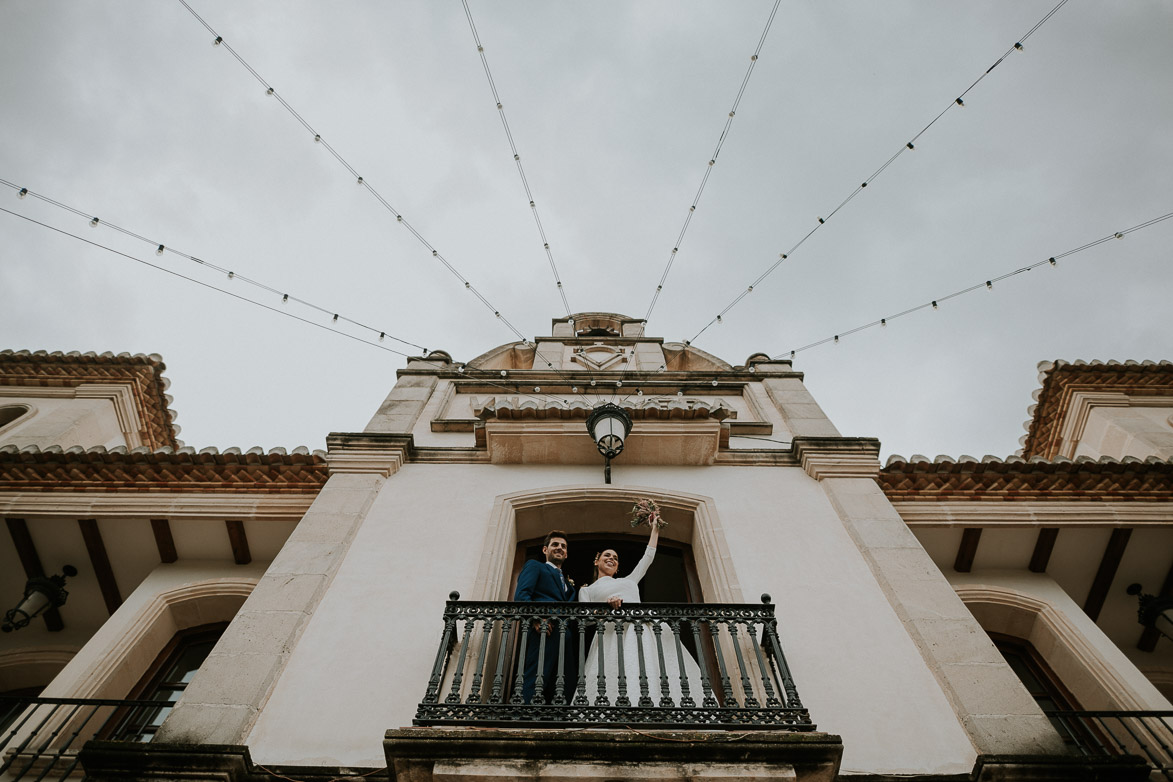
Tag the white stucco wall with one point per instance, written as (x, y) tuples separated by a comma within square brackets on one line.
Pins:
[(363, 662)]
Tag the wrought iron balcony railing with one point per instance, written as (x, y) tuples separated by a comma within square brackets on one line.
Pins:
[(739, 680), (40, 737), (1145, 733)]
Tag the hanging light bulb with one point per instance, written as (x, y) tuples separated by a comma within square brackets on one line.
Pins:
[(836, 339), (94, 222), (335, 317), (1018, 46), (574, 389), (218, 41), (460, 370), (502, 373), (883, 321), (358, 181), (592, 382), (231, 275), (23, 192), (910, 145), (159, 250), (317, 139), (989, 285), (269, 91), (934, 304), (285, 300), (537, 389), (960, 102), (1052, 261), (679, 393), (1119, 235), (714, 381)]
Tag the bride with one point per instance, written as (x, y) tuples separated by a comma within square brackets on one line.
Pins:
[(615, 592)]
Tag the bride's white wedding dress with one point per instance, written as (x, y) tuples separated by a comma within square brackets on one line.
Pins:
[(627, 589)]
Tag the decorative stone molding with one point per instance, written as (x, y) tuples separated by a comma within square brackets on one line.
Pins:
[(174, 506), (201, 602), (1059, 381), (697, 523), (371, 453), (142, 375), (434, 754), (1033, 513), (671, 408), (1002, 603), (838, 457)]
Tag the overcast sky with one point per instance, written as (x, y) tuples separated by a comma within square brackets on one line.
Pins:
[(125, 110)]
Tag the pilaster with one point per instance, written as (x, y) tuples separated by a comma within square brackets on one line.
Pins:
[(990, 702)]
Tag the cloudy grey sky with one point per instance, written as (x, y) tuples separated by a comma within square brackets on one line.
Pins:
[(125, 110)]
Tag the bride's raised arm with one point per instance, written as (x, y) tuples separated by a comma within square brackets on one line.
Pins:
[(646, 561)]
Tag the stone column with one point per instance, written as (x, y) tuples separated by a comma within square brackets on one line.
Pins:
[(224, 698), (996, 710)]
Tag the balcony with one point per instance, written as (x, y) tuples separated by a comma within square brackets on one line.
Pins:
[(743, 682), (40, 738)]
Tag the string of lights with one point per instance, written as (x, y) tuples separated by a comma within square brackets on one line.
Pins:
[(753, 61), (957, 102), (161, 248), (987, 284), (482, 376), (219, 41), (516, 156)]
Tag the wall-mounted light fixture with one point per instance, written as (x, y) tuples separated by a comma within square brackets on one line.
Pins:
[(609, 424), (40, 594), (1155, 612)]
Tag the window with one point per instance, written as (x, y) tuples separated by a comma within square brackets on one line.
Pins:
[(1046, 689), (166, 680), (10, 413)]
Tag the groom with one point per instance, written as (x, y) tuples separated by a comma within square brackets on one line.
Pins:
[(544, 582)]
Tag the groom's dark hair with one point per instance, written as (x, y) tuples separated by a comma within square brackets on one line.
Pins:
[(555, 533)]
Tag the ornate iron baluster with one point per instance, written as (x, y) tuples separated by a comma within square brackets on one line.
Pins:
[(540, 679), (644, 699), (772, 701), (792, 701), (62, 749), (560, 680), (519, 681), (621, 636), (580, 698), (686, 700), (499, 677), (433, 693), (488, 624), (665, 690), (708, 701), (458, 676), (601, 698), (751, 701), (47, 743), (726, 685)]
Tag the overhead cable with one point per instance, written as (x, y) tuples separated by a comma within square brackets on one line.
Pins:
[(986, 284), (908, 146), (753, 61), (162, 247), (362, 182), (516, 157), (478, 375)]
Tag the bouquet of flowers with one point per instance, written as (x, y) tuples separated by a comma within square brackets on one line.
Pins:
[(647, 512)]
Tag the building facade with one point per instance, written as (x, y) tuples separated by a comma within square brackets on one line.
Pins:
[(315, 615)]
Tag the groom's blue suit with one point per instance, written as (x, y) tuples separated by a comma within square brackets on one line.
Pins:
[(542, 583)]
